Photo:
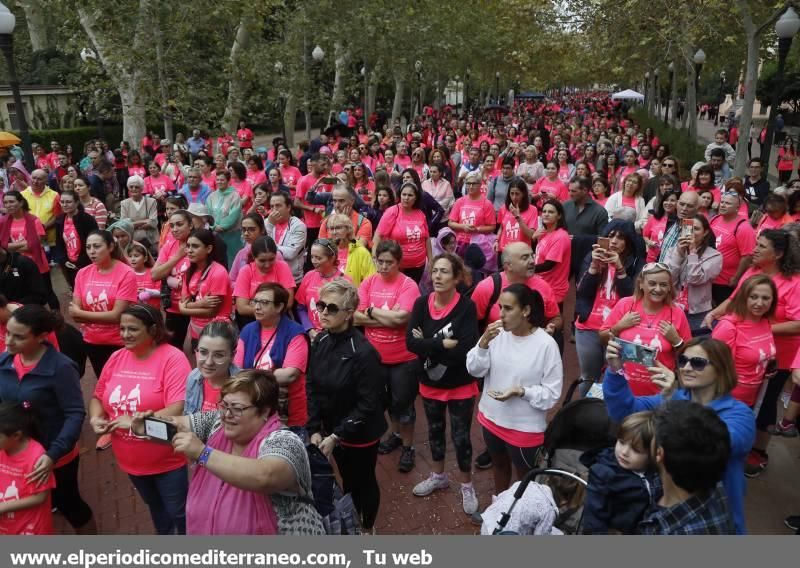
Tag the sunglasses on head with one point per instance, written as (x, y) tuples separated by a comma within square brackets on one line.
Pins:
[(697, 363), (655, 267), (331, 309), (328, 244)]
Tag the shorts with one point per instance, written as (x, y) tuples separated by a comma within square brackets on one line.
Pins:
[(523, 458), (403, 389)]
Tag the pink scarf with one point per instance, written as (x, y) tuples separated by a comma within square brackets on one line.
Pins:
[(214, 507)]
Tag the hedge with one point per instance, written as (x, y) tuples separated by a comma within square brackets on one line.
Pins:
[(680, 145)]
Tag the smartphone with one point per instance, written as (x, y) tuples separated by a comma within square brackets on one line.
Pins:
[(329, 179), (687, 228), (637, 353), (160, 430), (602, 242)]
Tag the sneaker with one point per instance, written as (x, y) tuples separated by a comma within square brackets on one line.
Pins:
[(484, 461), (431, 484), (476, 518), (756, 463), (793, 522), (103, 442), (469, 499), (406, 462), (390, 444), (788, 431), (785, 398)]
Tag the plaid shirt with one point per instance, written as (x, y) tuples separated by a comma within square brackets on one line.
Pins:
[(697, 515), (670, 240)]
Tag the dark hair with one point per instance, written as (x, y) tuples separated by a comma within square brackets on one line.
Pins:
[(18, 417), (775, 199), (152, 319), (717, 153), (417, 194), (710, 239), (261, 245), (704, 169), (562, 222), (456, 264), (529, 298), (256, 159), (257, 219), (519, 183), (186, 216), (116, 252), (286, 198), (225, 173), (18, 196), (207, 238), (239, 169), (387, 189), (260, 385), (658, 209), (509, 161), (784, 243), (414, 175), (38, 318), (74, 195), (280, 295), (738, 304), (178, 200), (391, 247), (222, 329), (696, 444)]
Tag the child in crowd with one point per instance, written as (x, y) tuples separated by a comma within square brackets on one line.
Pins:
[(721, 141), (621, 479), (25, 507), (141, 261)]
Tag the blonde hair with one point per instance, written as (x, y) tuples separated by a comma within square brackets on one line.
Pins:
[(638, 294), (343, 288), (340, 219)]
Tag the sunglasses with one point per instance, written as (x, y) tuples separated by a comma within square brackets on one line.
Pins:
[(655, 267), (665, 165), (328, 244), (330, 309), (697, 363)]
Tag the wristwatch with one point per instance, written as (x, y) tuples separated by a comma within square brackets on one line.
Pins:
[(369, 312)]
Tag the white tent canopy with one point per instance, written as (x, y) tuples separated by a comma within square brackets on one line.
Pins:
[(627, 95)]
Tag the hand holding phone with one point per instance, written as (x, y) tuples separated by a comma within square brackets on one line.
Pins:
[(159, 429)]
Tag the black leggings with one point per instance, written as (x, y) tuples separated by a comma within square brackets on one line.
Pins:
[(67, 496), (52, 299), (69, 276), (768, 413), (357, 468), (178, 325), (99, 355), (460, 423), (311, 235)]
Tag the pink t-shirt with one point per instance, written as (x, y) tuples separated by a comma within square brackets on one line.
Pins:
[(290, 175), (654, 230), (788, 309), (483, 293), (216, 283), (474, 212), (648, 333), (250, 278), (210, 180), (732, 247), (137, 171), (72, 241), (128, 385), (211, 396), (397, 294), (296, 358), (308, 293), (604, 301), (14, 486), (98, 292), (256, 177), (244, 189), (509, 226), (154, 185), (304, 185), (144, 281), (18, 233), (752, 346), (410, 230), (555, 188), (170, 249), (555, 246)]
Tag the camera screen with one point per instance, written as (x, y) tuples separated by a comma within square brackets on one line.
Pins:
[(156, 429)]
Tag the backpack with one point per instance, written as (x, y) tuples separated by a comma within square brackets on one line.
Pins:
[(339, 515), (496, 282)]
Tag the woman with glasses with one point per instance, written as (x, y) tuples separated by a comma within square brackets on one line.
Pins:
[(147, 375), (777, 255), (629, 198), (263, 266), (649, 318), (325, 261), (214, 354), (276, 343), (406, 224), (600, 189), (346, 390), (706, 374), (354, 260)]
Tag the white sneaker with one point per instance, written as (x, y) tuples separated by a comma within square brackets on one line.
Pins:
[(469, 499), (431, 484)]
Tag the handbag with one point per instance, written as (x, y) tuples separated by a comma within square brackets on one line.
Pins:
[(166, 295), (339, 514), (435, 371)]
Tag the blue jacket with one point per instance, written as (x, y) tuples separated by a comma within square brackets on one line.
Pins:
[(202, 194), (54, 390), (736, 415), (251, 337), (194, 390)]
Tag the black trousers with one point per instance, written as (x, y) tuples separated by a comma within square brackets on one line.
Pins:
[(99, 355), (178, 325), (357, 468)]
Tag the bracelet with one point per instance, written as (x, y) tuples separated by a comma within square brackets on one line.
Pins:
[(335, 439), (202, 459), (678, 345)]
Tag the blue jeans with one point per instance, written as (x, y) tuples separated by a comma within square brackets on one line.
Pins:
[(591, 356), (165, 495)]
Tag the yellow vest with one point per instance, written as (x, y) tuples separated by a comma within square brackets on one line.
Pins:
[(44, 207)]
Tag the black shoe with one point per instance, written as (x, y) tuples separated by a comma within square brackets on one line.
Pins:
[(390, 444), (793, 522), (476, 519), (406, 462), (484, 461)]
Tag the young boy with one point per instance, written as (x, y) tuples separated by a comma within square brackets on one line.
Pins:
[(621, 479), (691, 448), (721, 141)]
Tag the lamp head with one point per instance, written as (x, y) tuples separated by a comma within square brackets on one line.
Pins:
[(671, 67), (8, 21), (318, 54), (787, 25), (278, 67), (418, 65), (700, 57)]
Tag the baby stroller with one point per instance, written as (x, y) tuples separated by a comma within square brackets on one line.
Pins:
[(580, 426)]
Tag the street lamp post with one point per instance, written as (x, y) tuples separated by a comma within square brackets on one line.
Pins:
[(497, 85), (656, 94), (647, 90), (721, 96), (281, 99), (699, 59), (7, 23), (786, 28), (466, 92), (366, 95), (671, 69), (418, 69)]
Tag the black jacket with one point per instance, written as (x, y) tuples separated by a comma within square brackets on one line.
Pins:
[(20, 280), (346, 387), (84, 224), (616, 498), (460, 324)]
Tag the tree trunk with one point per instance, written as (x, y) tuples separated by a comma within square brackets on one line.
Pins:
[(397, 107), (37, 24), (162, 77), (307, 113), (340, 60), (691, 101), (134, 117), (236, 83), (674, 98), (289, 119)]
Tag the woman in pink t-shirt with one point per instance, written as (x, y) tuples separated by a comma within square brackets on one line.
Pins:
[(324, 259), (157, 184), (405, 223), (172, 265), (745, 328), (600, 190), (472, 213), (361, 183), (206, 292), (290, 175), (240, 182), (549, 185), (264, 266), (103, 290), (255, 171), (147, 375), (553, 250), (22, 232), (517, 218)]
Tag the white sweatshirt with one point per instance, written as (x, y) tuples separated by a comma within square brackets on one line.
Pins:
[(532, 362)]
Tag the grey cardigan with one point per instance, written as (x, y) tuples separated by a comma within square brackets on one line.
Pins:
[(697, 273), (292, 245)]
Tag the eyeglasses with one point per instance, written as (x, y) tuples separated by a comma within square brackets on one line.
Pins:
[(235, 411), (655, 267), (666, 165), (249, 229), (260, 303), (330, 309), (338, 228), (328, 244), (216, 358), (697, 363)]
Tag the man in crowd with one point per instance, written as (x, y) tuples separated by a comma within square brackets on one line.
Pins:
[(288, 232), (756, 186), (585, 220), (736, 241), (344, 199), (194, 190), (688, 203)]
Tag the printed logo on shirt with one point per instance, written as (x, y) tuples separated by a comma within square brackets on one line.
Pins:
[(11, 493), (125, 404), (655, 343), (467, 217), (413, 233), (98, 304), (512, 230)]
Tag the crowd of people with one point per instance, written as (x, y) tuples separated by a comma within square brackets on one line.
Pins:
[(260, 300)]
